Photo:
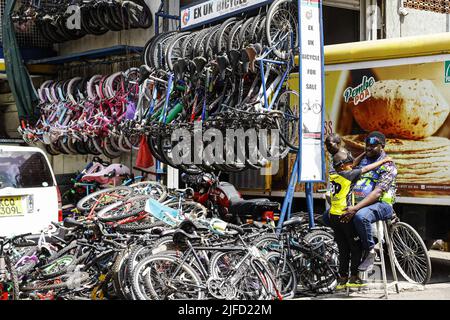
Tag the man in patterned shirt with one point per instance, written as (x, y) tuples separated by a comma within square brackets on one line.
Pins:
[(374, 194)]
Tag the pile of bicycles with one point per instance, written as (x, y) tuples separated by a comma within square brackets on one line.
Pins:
[(197, 87), (59, 21), (146, 242)]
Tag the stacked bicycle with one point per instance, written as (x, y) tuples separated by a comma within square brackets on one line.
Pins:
[(227, 77)]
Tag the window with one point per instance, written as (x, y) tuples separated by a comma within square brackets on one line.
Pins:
[(340, 25), (24, 170)]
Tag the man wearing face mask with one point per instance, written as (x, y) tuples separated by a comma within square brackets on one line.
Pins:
[(374, 194)]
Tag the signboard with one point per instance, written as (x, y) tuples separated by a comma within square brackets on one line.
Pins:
[(311, 92), (410, 104), (208, 11)]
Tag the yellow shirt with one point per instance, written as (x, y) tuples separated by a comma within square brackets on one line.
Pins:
[(341, 190)]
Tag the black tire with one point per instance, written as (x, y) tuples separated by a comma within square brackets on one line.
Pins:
[(138, 226), (13, 279), (122, 210), (83, 205), (284, 274), (267, 243), (190, 279), (277, 26), (411, 256)]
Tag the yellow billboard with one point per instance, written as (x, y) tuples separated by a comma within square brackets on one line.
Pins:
[(410, 104)]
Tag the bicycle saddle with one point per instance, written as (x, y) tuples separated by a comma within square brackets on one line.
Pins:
[(200, 63), (235, 59), (144, 72), (180, 67), (223, 64), (180, 236), (293, 222), (214, 67), (251, 54), (72, 223), (245, 60)]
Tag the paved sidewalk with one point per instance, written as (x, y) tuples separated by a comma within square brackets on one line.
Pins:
[(437, 291)]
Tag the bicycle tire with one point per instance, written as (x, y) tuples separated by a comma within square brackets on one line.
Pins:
[(84, 200), (142, 187), (270, 25), (187, 272), (221, 270), (233, 39), (11, 270), (221, 38), (121, 210), (174, 49), (137, 226), (415, 247)]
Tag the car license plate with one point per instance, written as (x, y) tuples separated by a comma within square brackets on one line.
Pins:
[(11, 206)]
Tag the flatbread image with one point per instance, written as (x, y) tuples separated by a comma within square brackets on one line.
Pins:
[(434, 155), (443, 161), (399, 145), (425, 161), (407, 109)]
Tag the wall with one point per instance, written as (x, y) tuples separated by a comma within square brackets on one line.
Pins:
[(417, 22)]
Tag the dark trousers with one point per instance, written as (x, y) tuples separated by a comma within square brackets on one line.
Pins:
[(349, 245), (364, 218)]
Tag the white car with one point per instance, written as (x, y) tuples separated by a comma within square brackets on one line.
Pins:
[(29, 197)]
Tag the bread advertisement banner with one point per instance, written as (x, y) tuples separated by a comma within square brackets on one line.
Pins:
[(410, 105)]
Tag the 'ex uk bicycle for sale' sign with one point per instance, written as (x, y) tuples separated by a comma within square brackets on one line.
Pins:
[(208, 11), (312, 165)]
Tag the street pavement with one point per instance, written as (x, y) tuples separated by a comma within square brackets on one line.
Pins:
[(437, 289)]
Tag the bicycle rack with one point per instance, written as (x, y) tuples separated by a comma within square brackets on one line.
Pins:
[(161, 14)]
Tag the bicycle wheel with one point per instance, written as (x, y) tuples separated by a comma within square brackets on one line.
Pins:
[(164, 277), (281, 22), (156, 190), (284, 274), (410, 253), (238, 284), (123, 209), (103, 198), (328, 250), (268, 243), (9, 282), (191, 209), (288, 124), (174, 49)]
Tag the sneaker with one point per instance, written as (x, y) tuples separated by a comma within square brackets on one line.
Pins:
[(368, 261), (356, 282), (342, 283)]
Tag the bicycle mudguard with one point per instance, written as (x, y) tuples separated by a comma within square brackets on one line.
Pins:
[(162, 212)]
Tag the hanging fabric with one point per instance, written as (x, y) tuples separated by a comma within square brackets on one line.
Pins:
[(19, 80)]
